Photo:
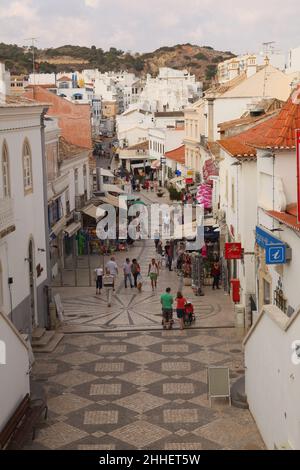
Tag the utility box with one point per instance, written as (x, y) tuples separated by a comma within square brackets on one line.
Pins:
[(235, 290), (239, 313)]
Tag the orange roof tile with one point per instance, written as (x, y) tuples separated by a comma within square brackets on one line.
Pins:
[(288, 218), (178, 155), (237, 146), (64, 79), (279, 133)]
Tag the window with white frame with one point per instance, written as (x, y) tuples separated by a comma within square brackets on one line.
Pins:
[(5, 171), (27, 167)]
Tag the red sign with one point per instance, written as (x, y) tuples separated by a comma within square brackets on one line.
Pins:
[(189, 181), (233, 250), (298, 172)]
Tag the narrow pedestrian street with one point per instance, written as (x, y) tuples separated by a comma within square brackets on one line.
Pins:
[(118, 381)]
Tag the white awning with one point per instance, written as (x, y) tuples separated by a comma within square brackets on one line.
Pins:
[(113, 188), (93, 211), (105, 172), (73, 228), (178, 179), (111, 200), (59, 226), (140, 165)]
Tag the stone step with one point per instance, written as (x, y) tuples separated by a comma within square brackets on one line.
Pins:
[(52, 344), (38, 333), (43, 340)]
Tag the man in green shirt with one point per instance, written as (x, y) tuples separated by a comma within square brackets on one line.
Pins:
[(166, 301)]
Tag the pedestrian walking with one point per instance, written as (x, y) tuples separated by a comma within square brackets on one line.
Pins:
[(127, 273), (135, 270), (180, 308), (153, 272), (112, 267), (169, 255), (108, 283), (166, 301), (156, 239), (216, 273), (99, 280)]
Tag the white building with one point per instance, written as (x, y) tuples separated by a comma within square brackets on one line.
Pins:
[(293, 63), (23, 224), (171, 90)]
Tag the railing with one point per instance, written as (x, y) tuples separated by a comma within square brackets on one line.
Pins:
[(6, 214)]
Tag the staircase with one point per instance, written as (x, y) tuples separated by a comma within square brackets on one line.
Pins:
[(44, 341), (238, 395)]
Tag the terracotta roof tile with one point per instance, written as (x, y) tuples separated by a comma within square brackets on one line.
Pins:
[(68, 151), (279, 133), (178, 155)]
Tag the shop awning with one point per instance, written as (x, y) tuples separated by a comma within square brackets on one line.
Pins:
[(155, 165), (59, 226), (105, 172), (73, 228), (113, 188), (178, 179), (109, 199), (139, 165), (93, 211)]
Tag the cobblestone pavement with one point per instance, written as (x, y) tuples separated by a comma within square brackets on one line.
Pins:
[(141, 390)]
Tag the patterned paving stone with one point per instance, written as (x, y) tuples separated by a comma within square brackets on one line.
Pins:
[(73, 378), (141, 402), (177, 348), (206, 357), (80, 357), (59, 435), (67, 403), (175, 366), (40, 369), (225, 432), (178, 388), (83, 340), (181, 416), (183, 446), (140, 434), (97, 447), (142, 378), (101, 417), (109, 367), (204, 340), (143, 340), (105, 389), (143, 357), (112, 348)]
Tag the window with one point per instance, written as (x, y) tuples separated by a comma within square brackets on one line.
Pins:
[(226, 187), (5, 171), (267, 292), (27, 167), (232, 194), (280, 300), (76, 182)]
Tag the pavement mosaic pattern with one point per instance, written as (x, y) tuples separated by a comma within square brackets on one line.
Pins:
[(141, 390)]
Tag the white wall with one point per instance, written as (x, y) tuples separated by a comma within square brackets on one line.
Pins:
[(272, 380), (14, 378), (28, 210)]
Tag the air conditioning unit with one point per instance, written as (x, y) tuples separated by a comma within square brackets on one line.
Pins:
[(77, 216)]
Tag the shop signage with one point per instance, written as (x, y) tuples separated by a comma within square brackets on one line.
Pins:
[(189, 181), (190, 173), (233, 250), (298, 173), (275, 248), (178, 173)]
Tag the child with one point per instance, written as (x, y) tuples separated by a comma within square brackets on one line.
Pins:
[(180, 308)]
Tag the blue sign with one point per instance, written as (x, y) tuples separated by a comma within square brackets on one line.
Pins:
[(275, 248), (178, 173)]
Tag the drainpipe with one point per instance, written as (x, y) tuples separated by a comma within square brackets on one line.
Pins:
[(46, 224), (210, 102)]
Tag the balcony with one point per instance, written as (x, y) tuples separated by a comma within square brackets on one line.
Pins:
[(7, 222)]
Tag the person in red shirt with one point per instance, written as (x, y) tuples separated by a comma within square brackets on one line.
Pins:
[(181, 301)]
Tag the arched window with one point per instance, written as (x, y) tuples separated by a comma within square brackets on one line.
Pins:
[(27, 167), (5, 171)]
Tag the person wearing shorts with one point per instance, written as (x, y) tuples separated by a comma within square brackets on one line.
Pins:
[(166, 301), (153, 272), (98, 279), (180, 308)]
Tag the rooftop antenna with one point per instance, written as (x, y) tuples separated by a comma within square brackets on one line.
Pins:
[(33, 42)]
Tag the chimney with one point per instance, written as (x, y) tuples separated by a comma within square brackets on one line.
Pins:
[(210, 116), (251, 66), (4, 81)]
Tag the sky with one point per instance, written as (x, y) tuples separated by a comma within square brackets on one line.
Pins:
[(144, 25)]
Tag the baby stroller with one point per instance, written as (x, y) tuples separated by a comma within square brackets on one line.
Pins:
[(189, 315)]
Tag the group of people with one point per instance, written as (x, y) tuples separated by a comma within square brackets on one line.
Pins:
[(167, 301)]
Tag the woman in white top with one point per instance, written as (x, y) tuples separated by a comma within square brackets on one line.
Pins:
[(153, 272)]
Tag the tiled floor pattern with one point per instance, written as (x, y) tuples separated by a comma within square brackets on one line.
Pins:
[(141, 391)]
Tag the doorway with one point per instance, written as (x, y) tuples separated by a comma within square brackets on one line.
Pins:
[(32, 286)]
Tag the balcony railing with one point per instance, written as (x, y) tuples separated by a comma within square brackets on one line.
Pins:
[(7, 220)]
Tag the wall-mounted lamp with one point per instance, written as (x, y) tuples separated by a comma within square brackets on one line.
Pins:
[(27, 259), (41, 250), (236, 164)]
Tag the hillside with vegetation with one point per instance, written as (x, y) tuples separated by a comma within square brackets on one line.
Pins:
[(199, 60)]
